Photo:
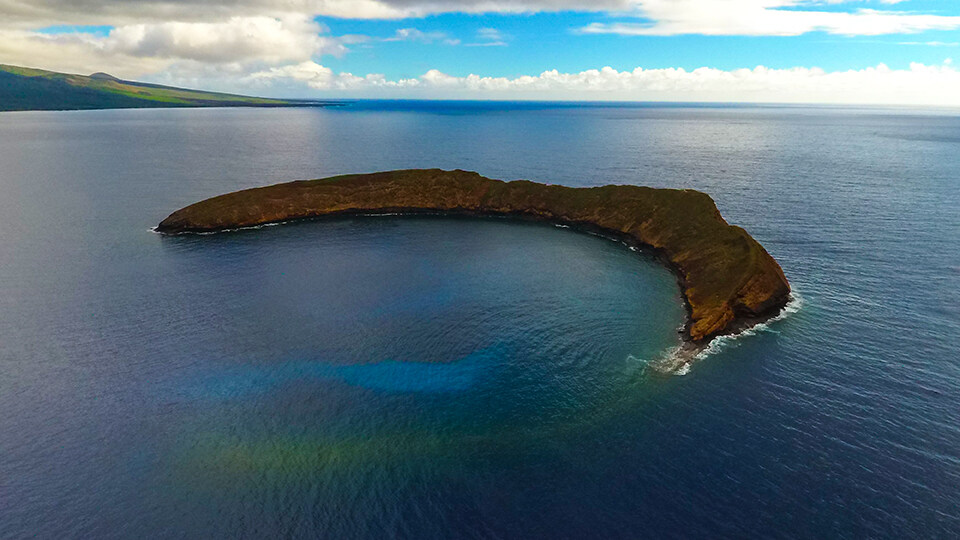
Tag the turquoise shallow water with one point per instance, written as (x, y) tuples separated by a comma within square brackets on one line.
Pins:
[(431, 377)]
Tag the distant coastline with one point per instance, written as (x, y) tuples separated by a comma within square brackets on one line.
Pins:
[(28, 89), (729, 282)]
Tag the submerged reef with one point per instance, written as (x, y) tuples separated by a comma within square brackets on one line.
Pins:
[(728, 280)]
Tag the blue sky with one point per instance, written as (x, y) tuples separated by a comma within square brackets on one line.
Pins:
[(537, 42), (899, 50)]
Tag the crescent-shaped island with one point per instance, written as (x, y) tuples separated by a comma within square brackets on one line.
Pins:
[(727, 278)]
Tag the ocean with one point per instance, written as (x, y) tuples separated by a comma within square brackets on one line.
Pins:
[(426, 377)]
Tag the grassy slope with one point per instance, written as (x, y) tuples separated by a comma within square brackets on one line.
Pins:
[(24, 89)]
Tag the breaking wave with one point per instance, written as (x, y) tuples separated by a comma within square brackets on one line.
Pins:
[(679, 359)]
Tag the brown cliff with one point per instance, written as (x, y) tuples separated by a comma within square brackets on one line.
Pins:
[(728, 280)]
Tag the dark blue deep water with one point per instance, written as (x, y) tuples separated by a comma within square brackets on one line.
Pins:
[(429, 377)]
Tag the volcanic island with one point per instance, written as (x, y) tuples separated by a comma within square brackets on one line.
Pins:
[(728, 280)]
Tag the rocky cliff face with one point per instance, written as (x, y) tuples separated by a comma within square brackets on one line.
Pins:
[(728, 279)]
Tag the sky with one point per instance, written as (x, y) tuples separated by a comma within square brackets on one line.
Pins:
[(786, 51)]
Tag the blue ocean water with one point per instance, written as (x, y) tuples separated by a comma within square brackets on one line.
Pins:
[(431, 377)]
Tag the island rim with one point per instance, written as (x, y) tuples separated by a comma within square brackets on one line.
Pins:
[(728, 281)]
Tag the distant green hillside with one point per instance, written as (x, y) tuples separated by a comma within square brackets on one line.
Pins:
[(24, 89)]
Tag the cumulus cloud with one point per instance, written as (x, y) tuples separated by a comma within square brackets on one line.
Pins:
[(72, 53), (137, 49), (918, 85), (320, 77), (267, 39)]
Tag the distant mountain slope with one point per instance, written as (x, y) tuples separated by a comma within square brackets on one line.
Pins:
[(23, 89)]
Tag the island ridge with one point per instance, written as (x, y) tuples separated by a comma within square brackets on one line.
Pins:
[(727, 278)]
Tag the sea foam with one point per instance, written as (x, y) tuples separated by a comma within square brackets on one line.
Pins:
[(679, 359)]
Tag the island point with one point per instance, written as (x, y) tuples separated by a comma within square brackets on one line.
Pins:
[(728, 280)]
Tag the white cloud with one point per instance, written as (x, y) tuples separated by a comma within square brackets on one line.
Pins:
[(413, 34), (490, 37), (918, 85), (651, 17), (490, 34), (767, 18), (320, 77), (35, 13), (138, 49), (932, 43), (71, 53), (265, 39)]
